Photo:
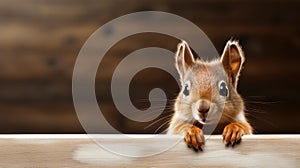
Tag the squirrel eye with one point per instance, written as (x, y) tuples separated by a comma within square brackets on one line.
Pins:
[(186, 89), (223, 89)]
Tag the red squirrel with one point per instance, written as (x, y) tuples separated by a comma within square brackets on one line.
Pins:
[(209, 88)]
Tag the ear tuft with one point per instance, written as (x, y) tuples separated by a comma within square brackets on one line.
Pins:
[(184, 58), (233, 59)]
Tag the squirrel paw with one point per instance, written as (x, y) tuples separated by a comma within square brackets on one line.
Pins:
[(194, 138), (233, 133)]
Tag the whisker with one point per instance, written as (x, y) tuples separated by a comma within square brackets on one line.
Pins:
[(253, 110), (161, 126), (164, 131), (263, 119), (170, 115)]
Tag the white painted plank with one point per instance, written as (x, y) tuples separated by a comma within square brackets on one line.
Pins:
[(77, 150)]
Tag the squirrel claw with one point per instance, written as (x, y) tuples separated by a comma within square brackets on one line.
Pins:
[(233, 133), (194, 138)]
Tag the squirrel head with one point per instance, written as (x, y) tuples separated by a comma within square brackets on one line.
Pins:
[(208, 88)]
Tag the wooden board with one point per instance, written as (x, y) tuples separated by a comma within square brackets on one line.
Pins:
[(77, 150)]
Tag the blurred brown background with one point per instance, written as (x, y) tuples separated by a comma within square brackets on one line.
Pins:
[(40, 40)]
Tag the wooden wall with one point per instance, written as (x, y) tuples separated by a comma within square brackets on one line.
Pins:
[(40, 40)]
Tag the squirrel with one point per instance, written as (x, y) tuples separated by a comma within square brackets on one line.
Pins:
[(209, 90)]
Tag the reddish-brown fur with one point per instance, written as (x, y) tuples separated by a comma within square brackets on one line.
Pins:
[(203, 78)]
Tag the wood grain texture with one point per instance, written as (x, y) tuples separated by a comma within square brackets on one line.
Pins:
[(40, 40), (79, 151)]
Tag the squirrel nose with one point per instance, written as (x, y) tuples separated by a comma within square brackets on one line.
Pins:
[(203, 110), (204, 107)]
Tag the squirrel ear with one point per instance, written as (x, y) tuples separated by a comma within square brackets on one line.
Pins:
[(184, 58), (232, 60)]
